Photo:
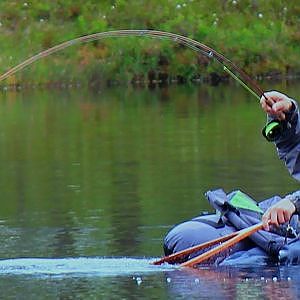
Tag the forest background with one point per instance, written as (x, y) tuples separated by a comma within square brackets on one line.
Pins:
[(262, 37)]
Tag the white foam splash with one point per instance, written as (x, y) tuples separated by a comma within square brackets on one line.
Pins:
[(81, 266)]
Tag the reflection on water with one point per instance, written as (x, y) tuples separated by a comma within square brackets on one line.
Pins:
[(106, 174), (235, 283)]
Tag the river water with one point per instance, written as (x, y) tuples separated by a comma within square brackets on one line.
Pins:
[(91, 181)]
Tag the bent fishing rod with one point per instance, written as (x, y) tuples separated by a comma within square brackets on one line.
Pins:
[(228, 66)]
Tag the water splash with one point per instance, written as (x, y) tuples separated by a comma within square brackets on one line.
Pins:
[(82, 266)]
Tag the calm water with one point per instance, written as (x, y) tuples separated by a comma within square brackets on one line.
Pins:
[(91, 181)]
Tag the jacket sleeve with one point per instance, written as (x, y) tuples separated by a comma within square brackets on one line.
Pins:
[(288, 144)]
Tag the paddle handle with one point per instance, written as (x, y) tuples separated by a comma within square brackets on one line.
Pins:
[(242, 234)]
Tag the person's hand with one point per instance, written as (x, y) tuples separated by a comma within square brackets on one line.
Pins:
[(276, 104), (279, 213)]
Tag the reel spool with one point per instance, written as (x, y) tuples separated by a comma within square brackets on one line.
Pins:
[(273, 130)]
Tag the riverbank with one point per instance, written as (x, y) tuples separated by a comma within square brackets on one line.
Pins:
[(266, 83), (260, 37)]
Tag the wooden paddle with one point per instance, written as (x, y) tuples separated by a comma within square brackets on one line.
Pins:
[(242, 234), (231, 238), (172, 258)]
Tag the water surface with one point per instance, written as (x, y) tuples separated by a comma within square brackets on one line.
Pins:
[(91, 181)]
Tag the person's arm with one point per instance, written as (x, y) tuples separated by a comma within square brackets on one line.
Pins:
[(280, 107)]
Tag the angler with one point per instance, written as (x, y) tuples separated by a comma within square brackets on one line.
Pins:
[(279, 242)]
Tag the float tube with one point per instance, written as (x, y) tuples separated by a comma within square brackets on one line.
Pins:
[(234, 211)]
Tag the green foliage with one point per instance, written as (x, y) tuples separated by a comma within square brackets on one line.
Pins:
[(260, 36)]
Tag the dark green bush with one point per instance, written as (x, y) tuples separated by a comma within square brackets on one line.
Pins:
[(260, 36)]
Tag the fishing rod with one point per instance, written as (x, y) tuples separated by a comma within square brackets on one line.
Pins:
[(270, 132)]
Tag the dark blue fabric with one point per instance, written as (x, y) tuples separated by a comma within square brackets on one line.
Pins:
[(290, 254), (251, 257), (288, 145)]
